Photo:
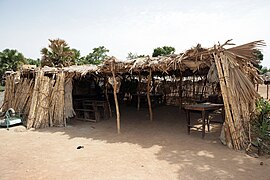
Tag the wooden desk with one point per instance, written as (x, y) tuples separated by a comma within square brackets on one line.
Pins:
[(205, 109), (91, 110)]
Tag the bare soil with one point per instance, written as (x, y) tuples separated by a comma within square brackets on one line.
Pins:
[(144, 150)]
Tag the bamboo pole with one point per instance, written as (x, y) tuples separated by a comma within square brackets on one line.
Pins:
[(148, 95), (115, 98), (139, 92)]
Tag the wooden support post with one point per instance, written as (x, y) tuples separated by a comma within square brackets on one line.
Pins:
[(204, 84), (115, 97), (193, 87), (107, 97), (139, 92), (267, 90), (180, 91), (148, 95), (165, 94)]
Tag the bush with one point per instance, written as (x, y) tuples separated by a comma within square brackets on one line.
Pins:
[(261, 126)]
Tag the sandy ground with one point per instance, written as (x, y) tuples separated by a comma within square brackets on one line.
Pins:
[(144, 150), (263, 91)]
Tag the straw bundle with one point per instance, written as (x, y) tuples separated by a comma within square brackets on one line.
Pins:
[(34, 100), (23, 92), (9, 92), (69, 111), (237, 88), (42, 110), (57, 102)]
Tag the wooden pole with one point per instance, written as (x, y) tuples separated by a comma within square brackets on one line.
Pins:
[(204, 84), (139, 92), (165, 94), (193, 87), (115, 97), (180, 91), (148, 95), (267, 90), (107, 97)]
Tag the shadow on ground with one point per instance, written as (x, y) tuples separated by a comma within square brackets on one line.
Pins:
[(190, 154)]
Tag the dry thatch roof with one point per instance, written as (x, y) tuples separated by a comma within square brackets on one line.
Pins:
[(194, 60)]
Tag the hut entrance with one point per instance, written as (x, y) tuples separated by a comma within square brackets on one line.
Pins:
[(89, 101)]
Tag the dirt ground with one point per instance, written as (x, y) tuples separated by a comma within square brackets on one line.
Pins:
[(144, 150)]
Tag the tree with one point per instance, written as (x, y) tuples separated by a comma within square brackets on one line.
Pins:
[(264, 70), (33, 61), (58, 54), (96, 57), (10, 59), (259, 55), (77, 54), (163, 51), (134, 55)]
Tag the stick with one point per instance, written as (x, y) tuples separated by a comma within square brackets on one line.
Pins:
[(115, 98), (180, 91), (139, 92), (148, 95), (107, 97), (267, 90)]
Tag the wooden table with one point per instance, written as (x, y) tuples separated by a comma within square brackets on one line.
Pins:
[(205, 109)]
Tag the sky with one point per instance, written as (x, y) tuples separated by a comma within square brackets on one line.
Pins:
[(136, 26)]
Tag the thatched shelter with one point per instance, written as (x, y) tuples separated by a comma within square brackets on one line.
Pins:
[(47, 100)]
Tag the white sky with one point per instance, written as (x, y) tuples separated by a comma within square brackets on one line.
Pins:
[(136, 26)]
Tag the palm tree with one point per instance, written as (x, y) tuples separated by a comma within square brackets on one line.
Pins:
[(58, 54), (10, 59)]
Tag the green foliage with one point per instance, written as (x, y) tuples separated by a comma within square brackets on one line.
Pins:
[(10, 59), (261, 125), (163, 51), (264, 70), (58, 54), (259, 56), (96, 57), (77, 54), (134, 55), (33, 61)]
